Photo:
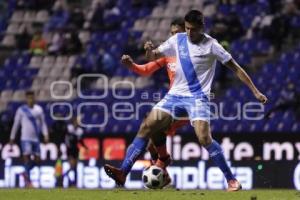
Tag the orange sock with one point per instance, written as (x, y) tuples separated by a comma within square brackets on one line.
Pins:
[(153, 152), (162, 152)]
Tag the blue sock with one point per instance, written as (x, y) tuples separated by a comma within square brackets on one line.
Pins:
[(32, 164), (216, 154), (133, 152), (28, 167)]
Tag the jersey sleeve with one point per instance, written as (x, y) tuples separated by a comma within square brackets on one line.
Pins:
[(149, 68), (220, 53), (17, 121), (168, 48)]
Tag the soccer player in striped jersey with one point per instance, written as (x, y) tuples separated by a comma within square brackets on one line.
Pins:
[(32, 120), (196, 56)]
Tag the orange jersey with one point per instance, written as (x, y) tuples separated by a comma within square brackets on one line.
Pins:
[(149, 68)]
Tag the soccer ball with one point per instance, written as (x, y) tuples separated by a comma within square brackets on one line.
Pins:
[(153, 177)]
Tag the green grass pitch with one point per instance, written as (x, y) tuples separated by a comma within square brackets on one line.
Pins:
[(166, 194)]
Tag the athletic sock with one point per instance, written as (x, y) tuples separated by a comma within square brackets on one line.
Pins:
[(162, 152), (216, 154), (28, 167), (153, 152), (133, 152)]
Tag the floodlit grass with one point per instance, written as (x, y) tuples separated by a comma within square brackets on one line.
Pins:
[(166, 194)]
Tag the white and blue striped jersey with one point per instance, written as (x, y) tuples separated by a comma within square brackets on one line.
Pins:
[(32, 121), (195, 63)]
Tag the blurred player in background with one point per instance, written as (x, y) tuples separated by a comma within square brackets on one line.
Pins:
[(32, 120), (196, 55), (72, 138)]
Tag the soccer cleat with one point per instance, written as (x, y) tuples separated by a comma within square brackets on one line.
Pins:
[(167, 179), (234, 185), (163, 163), (116, 174)]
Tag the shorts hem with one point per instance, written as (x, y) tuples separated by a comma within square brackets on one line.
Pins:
[(165, 110)]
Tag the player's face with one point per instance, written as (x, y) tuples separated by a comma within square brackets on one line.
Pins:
[(30, 100), (176, 29), (193, 31)]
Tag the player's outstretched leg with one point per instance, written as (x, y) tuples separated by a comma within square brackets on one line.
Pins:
[(216, 153), (156, 122)]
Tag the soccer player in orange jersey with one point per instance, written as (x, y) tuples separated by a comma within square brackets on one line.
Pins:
[(159, 154), (157, 149)]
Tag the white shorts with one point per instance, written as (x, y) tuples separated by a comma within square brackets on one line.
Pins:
[(197, 108)]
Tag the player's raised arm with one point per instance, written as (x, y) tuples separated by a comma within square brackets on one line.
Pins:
[(244, 77), (145, 69), (223, 56), (17, 121)]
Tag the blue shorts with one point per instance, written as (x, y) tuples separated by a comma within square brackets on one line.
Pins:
[(30, 147), (197, 108)]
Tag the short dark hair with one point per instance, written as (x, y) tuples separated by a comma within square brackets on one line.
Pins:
[(178, 22), (29, 93), (195, 17)]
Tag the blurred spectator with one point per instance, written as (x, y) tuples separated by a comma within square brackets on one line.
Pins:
[(38, 45), (23, 40), (133, 48), (77, 18), (280, 28), (226, 28), (260, 25), (97, 17), (57, 43), (72, 43), (112, 16)]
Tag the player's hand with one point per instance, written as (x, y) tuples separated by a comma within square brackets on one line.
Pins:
[(148, 46), (127, 60), (261, 97)]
